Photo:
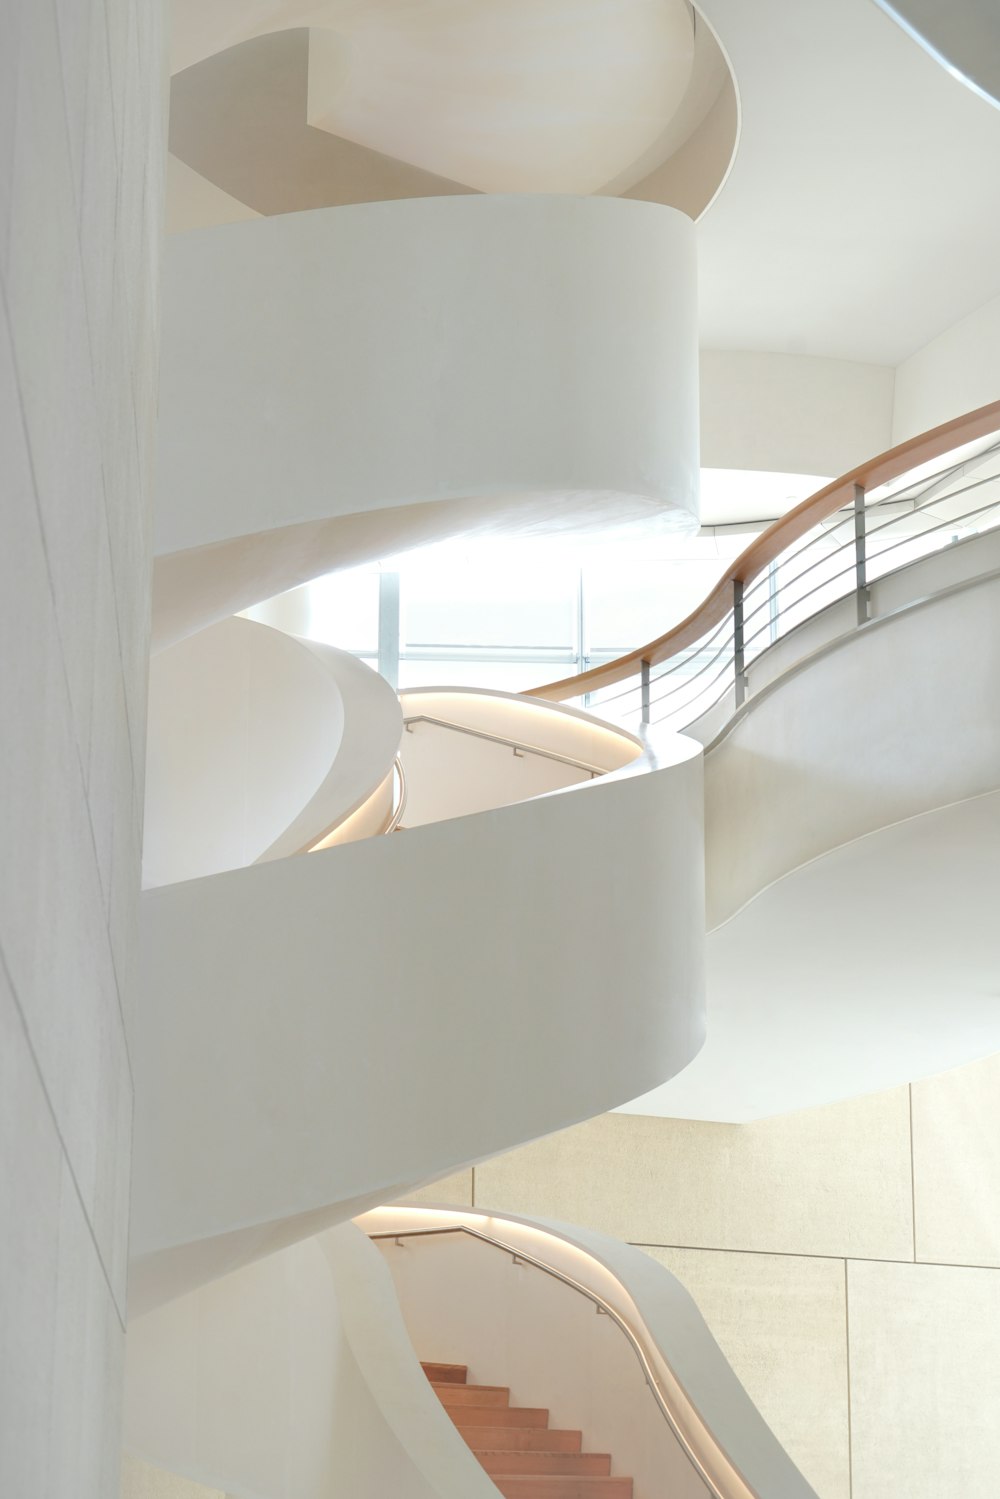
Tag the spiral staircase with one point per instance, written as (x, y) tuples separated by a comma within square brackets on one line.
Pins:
[(384, 939)]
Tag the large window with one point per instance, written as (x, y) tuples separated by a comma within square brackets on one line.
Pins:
[(513, 613)]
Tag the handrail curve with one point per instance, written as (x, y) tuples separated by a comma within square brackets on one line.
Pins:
[(521, 1256), (396, 816), (771, 543), (519, 746)]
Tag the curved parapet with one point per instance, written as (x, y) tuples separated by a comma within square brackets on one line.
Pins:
[(344, 382), (913, 725), (258, 745), (527, 968), (851, 827), (842, 676), (514, 1299), (293, 1379)]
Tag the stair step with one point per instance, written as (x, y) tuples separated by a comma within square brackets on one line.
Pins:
[(498, 1415), (472, 1394), (552, 1487), (520, 1439), (593, 1464), (446, 1373)]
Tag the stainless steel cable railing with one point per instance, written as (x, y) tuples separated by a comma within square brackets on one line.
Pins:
[(918, 499)]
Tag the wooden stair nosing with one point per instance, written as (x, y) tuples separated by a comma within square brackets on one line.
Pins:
[(446, 1373), (471, 1394)]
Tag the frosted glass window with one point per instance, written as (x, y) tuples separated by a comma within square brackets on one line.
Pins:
[(502, 605), (503, 676), (343, 610), (632, 603)]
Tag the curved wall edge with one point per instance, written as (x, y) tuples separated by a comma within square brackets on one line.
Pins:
[(527, 967), (293, 1378), (551, 353), (258, 744), (786, 784)]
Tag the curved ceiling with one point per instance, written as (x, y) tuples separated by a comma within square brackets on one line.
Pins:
[(553, 96), (860, 217), (963, 36), (302, 107)]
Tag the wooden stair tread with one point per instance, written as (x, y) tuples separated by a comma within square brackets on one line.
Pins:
[(446, 1373), (593, 1464), (471, 1394), (514, 1445), (520, 1439), (552, 1487), (498, 1415)]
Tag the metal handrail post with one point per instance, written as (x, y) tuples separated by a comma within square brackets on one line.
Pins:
[(738, 649), (860, 554)]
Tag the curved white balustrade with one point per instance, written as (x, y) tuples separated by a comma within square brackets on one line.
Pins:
[(468, 749), (316, 411), (910, 723), (313, 1028), (646, 1382), (851, 831), (259, 744), (293, 1378)]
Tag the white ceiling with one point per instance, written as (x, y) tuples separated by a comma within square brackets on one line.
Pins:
[(861, 216)]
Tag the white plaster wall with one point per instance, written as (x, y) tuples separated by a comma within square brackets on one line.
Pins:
[(954, 373), (141, 1480), (546, 374), (81, 143), (792, 413)]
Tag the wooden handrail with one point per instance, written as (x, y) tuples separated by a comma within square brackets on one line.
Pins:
[(769, 545)]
